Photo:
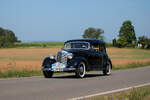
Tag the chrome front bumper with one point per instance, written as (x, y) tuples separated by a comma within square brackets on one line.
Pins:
[(58, 69)]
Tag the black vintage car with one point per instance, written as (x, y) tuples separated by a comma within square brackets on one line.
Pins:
[(78, 56)]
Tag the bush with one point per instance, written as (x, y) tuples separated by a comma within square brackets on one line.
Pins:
[(144, 41), (131, 45)]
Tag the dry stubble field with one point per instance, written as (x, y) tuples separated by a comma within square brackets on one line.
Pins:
[(31, 58)]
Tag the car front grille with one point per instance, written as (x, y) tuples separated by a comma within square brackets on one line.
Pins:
[(62, 57)]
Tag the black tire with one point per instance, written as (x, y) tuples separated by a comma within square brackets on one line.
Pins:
[(107, 70), (48, 74), (80, 70)]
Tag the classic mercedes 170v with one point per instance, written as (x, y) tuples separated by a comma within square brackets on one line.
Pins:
[(79, 56)]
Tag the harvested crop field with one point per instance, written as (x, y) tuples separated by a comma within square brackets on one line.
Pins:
[(31, 58)]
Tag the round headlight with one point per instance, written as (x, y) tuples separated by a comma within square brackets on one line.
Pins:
[(70, 56), (52, 56)]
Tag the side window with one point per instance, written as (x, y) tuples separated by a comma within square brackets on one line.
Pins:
[(68, 46), (95, 47), (103, 49)]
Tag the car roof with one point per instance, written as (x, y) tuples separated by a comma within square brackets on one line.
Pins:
[(91, 41)]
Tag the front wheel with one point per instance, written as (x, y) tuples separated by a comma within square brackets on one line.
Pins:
[(107, 70), (47, 74), (80, 70)]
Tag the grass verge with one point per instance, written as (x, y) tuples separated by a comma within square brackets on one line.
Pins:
[(142, 93), (23, 73), (131, 65), (27, 73)]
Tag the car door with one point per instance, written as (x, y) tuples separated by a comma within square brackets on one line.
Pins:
[(105, 56), (97, 56), (92, 58), (101, 58)]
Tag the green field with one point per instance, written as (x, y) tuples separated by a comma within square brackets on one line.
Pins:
[(44, 44), (39, 44)]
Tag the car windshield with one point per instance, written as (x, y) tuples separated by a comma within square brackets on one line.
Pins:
[(76, 45)]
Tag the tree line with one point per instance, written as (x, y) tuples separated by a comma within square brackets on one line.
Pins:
[(7, 38), (126, 37)]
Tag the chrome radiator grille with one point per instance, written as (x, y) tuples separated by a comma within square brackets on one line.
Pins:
[(62, 57)]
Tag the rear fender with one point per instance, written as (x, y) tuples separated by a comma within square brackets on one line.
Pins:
[(107, 60)]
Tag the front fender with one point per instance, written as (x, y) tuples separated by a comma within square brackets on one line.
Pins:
[(47, 62), (75, 61)]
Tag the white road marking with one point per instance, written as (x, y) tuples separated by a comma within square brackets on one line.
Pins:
[(109, 92)]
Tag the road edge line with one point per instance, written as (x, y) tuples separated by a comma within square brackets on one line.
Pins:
[(109, 92)]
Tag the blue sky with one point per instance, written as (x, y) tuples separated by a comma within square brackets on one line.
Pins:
[(60, 20)]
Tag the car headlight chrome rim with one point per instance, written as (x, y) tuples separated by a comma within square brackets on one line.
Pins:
[(70, 56), (52, 56)]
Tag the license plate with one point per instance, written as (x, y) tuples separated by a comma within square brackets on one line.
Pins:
[(58, 65)]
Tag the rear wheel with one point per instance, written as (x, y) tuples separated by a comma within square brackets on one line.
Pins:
[(47, 74), (80, 70), (107, 70)]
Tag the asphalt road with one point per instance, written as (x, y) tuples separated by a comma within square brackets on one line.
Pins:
[(67, 86)]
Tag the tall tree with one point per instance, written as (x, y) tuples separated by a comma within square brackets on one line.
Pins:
[(93, 33), (127, 31)]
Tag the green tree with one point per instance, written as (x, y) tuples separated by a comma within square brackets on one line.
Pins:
[(128, 32), (7, 38), (93, 33)]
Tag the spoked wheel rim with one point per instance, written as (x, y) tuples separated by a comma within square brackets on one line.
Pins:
[(81, 70), (108, 68)]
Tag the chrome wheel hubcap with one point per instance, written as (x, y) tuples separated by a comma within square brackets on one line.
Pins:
[(108, 68)]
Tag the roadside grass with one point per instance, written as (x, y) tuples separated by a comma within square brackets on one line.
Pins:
[(28, 73), (22, 73), (130, 65), (142, 93), (21, 58)]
